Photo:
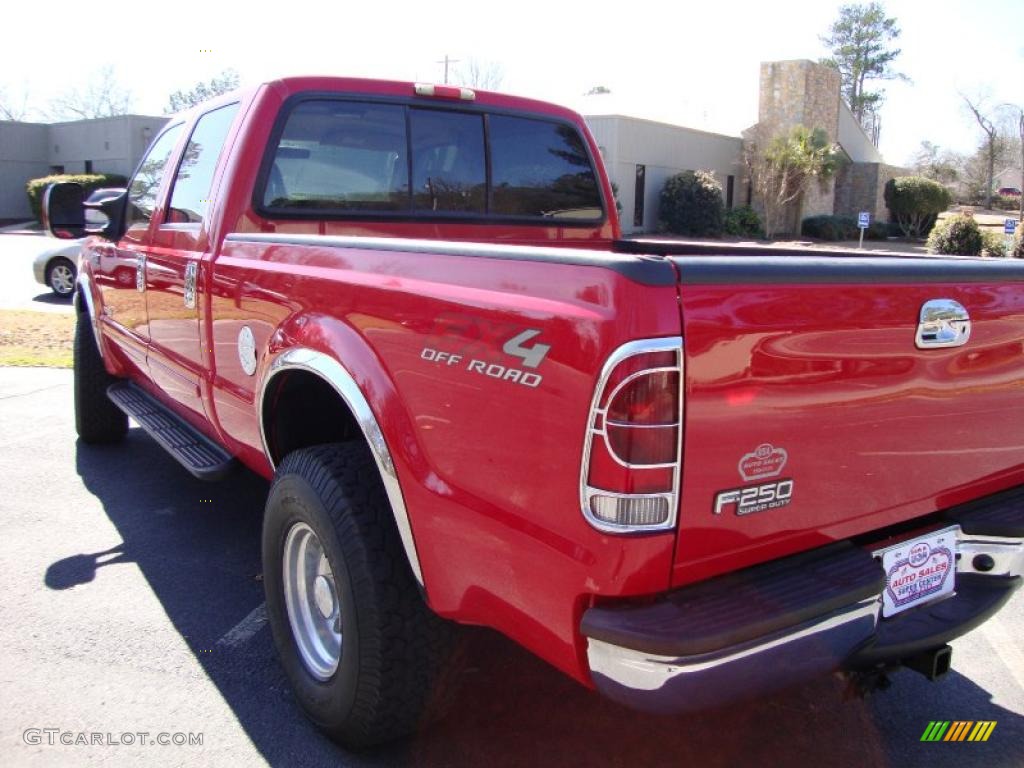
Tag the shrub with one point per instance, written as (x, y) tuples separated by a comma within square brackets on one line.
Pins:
[(1018, 245), (820, 227), (842, 228), (743, 222), (957, 235), (994, 244), (89, 181), (915, 202), (691, 204), (879, 230), (1006, 202)]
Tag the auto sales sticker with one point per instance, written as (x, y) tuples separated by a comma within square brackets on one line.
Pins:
[(918, 571)]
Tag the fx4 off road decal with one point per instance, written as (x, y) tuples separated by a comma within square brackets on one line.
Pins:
[(496, 350)]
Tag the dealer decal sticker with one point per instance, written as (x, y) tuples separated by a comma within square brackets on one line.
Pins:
[(763, 462), (922, 571)]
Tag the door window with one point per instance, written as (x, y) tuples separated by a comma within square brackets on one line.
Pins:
[(190, 199), (145, 184)]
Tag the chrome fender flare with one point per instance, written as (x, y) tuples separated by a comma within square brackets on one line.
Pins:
[(334, 373)]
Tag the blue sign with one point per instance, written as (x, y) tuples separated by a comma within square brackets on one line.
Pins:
[(1009, 226), (864, 219)]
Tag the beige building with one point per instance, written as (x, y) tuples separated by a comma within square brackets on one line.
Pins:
[(31, 150), (641, 154)]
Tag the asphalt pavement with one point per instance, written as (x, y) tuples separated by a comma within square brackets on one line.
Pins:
[(132, 603)]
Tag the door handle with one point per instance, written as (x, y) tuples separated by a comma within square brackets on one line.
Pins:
[(191, 271), (140, 273)]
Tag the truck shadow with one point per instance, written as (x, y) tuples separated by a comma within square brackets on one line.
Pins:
[(197, 544)]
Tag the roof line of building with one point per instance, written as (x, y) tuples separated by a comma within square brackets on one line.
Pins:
[(667, 125), (85, 119)]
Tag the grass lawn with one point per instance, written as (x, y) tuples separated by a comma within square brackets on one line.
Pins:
[(36, 338)]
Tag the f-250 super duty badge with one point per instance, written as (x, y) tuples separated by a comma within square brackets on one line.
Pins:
[(755, 498), (765, 461)]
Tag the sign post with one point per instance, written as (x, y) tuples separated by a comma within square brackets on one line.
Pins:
[(863, 222), (1009, 227)]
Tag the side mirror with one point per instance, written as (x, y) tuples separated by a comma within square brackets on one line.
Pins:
[(63, 214), (104, 213)]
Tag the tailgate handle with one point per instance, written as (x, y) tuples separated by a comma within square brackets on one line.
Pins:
[(943, 323)]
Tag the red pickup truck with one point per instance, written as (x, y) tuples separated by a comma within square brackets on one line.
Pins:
[(681, 473)]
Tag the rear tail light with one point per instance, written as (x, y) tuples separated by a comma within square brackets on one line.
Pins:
[(632, 453)]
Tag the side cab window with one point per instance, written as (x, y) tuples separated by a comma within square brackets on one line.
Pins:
[(145, 185), (190, 197)]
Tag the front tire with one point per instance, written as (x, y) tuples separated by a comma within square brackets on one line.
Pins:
[(362, 650), (97, 420)]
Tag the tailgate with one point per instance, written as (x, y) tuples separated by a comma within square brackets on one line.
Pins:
[(811, 413)]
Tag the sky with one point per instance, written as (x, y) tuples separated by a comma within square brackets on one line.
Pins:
[(690, 63)]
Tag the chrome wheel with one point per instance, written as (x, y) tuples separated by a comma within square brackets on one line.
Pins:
[(311, 598), (62, 278)]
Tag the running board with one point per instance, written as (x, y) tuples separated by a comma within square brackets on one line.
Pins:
[(194, 451)]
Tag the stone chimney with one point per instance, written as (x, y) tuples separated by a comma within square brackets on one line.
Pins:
[(795, 93)]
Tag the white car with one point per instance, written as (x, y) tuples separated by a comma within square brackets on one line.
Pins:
[(57, 267)]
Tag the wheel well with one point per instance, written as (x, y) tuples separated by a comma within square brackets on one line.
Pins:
[(54, 261), (300, 410)]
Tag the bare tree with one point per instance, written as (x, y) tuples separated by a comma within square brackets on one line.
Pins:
[(226, 81), (990, 128), (1016, 113), (941, 165), (103, 96), (12, 108), (486, 75)]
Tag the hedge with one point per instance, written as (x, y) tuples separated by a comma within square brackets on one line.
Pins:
[(691, 204), (915, 202), (826, 227), (743, 222), (90, 183)]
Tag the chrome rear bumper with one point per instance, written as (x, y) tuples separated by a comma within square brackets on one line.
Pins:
[(853, 636)]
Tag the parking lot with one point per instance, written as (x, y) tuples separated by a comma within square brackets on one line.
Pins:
[(18, 288), (133, 603)]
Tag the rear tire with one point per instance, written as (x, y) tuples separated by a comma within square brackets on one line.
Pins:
[(97, 420), (363, 652)]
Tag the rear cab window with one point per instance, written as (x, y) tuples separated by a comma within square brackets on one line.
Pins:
[(339, 157)]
